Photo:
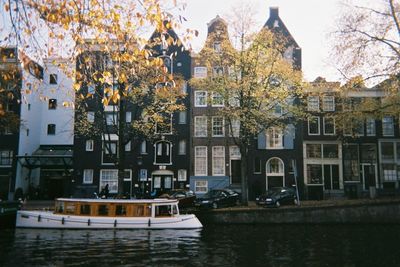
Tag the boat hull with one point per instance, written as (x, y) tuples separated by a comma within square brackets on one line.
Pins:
[(47, 219), (8, 211)]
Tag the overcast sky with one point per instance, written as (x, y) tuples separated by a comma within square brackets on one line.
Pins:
[(309, 21)]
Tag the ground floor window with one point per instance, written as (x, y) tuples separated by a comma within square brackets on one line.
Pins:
[(201, 186), (109, 177), (314, 174)]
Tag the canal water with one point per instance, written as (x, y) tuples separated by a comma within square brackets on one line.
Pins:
[(215, 245)]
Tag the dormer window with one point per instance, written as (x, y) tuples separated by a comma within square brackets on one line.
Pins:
[(217, 47), (53, 78)]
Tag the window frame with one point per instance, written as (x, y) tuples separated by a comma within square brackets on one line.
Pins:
[(319, 125), (203, 159), (87, 179), (215, 127), (198, 97), (89, 146)]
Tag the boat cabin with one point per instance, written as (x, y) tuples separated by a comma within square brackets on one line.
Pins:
[(117, 207)]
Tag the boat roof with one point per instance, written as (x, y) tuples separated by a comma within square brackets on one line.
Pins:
[(131, 201)]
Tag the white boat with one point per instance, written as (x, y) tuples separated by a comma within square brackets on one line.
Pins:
[(72, 213)]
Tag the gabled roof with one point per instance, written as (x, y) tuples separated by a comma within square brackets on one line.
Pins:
[(275, 24)]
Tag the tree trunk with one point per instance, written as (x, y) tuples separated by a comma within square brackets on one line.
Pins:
[(121, 146), (244, 178)]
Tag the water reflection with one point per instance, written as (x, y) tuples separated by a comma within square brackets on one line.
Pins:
[(248, 245)]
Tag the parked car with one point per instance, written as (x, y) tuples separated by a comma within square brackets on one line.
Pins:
[(216, 198), (186, 197), (278, 196)]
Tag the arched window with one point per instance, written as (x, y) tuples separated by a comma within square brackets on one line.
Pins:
[(275, 167), (162, 152)]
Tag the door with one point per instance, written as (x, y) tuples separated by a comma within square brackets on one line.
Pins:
[(331, 177), (236, 171), (274, 181), (161, 184), (369, 175)]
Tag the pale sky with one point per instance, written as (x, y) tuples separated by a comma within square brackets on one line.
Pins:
[(309, 21)]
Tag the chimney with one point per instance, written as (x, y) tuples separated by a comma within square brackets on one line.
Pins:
[(273, 12)]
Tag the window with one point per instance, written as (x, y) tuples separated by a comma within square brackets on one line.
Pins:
[(218, 160), (217, 47), (314, 174), (109, 177), (347, 104), (143, 175), (370, 126), (329, 126), (88, 176), (200, 72), (90, 116), (184, 87), (182, 147), (51, 129), (91, 89), (234, 152), (330, 151), (182, 175), (235, 128), (313, 151), (182, 117), (218, 71), (217, 100), (387, 151), (351, 167), (6, 157), (89, 145), (328, 103), (143, 148), (275, 166), (53, 78), (274, 138), (358, 127), (313, 126), (111, 119), (201, 186), (128, 116), (110, 148), (200, 99), (200, 126), (313, 103), (163, 152), (200, 160), (387, 126), (127, 175), (52, 103), (217, 126), (389, 172), (128, 146), (257, 165), (164, 126)]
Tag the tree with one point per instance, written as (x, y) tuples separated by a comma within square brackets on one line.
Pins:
[(367, 40), (115, 64), (255, 84)]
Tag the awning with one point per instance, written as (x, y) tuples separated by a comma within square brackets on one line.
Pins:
[(48, 156)]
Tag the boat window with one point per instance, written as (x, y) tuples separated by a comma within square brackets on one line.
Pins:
[(120, 210), (102, 210), (85, 209), (163, 211), (59, 207), (70, 208)]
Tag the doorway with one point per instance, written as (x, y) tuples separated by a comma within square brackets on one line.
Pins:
[(331, 177), (369, 175), (236, 169)]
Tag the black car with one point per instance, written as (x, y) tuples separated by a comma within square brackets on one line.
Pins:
[(216, 198), (278, 196), (186, 197)]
